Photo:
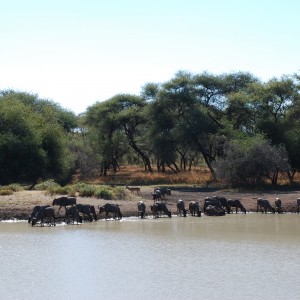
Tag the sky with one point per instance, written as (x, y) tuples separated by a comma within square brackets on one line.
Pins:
[(77, 53)]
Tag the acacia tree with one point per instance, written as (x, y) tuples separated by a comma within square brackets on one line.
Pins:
[(180, 123), (121, 114)]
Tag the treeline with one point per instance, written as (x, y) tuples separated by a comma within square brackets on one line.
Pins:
[(244, 130)]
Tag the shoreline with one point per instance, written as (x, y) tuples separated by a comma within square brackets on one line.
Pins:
[(19, 205)]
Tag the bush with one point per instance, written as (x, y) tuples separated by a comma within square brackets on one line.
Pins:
[(57, 189), (86, 190), (104, 193), (252, 162), (45, 185), (4, 192), (118, 193)]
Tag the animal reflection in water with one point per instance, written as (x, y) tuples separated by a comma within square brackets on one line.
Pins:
[(159, 209), (112, 209)]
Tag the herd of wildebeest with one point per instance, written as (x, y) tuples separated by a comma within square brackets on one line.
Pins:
[(78, 213)]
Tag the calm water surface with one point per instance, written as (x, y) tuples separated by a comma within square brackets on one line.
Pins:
[(251, 256)]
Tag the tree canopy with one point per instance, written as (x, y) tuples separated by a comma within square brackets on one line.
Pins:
[(242, 129)]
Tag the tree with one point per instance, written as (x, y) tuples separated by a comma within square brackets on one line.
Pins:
[(180, 124), (32, 144), (122, 113), (251, 161)]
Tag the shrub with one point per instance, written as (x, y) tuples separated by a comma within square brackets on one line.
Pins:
[(104, 193), (57, 189), (118, 193), (4, 192), (45, 185), (87, 191)]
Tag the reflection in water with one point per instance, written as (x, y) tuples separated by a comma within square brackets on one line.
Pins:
[(251, 256)]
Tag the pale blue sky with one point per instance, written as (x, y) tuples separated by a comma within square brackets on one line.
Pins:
[(79, 52)]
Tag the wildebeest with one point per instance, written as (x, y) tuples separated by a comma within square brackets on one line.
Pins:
[(64, 202), (278, 206), (114, 209), (141, 209), (214, 201), (264, 206), (298, 205), (72, 215), (42, 214), (87, 211), (160, 208), (216, 206), (35, 210), (194, 208), (156, 196), (237, 204), (212, 210), (164, 191), (181, 211), (224, 202)]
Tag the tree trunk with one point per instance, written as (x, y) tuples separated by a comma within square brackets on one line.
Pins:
[(144, 157)]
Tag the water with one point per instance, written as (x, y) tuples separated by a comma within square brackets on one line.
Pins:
[(251, 256)]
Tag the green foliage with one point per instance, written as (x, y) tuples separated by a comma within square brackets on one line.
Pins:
[(173, 125), (104, 193), (44, 185), (4, 192), (33, 139), (87, 190), (252, 161), (58, 190), (9, 189)]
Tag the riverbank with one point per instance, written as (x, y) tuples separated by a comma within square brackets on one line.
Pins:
[(20, 204)]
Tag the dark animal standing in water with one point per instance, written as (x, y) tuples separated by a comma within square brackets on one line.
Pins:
[(237, 204), (141, 209), (224, 203), (160, 208), (215, 201), (264, 206), (113, 209), (278, 206), (181, 211), (64, 202), (163, 191), (298, 205), (72, 215), (156, 196), (42, 214), (87, 211), (35, 210), (214, 211), (194, 208)]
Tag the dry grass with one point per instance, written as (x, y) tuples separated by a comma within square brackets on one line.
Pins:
[(188, 186), (136, 175)]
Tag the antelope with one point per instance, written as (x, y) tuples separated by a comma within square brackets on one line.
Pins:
[(133, 190)]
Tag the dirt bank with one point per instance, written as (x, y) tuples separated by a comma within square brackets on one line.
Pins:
[(19, 205)]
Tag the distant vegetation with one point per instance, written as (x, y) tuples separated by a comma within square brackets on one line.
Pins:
[(240, 130)]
